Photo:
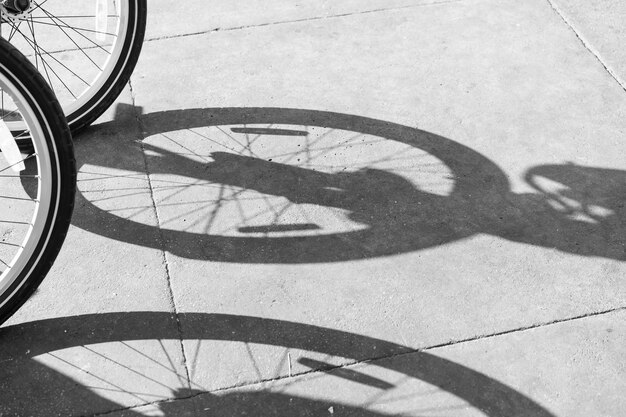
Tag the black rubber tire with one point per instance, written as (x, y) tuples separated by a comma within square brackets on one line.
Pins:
[(56, 138), (87, 114)]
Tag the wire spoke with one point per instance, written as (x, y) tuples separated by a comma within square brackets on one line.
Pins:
[(79, 33), (74, 28), (57, 61), (77, 46), (19, 162)]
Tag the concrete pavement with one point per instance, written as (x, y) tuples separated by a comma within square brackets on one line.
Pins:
[(364, 208)]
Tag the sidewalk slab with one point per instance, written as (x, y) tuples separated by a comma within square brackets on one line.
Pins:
[(600, 24)]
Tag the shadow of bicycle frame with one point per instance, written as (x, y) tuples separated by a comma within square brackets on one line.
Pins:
[(480, 202)]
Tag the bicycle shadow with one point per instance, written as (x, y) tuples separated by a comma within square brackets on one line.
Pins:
[(28, 387), (580, 212)]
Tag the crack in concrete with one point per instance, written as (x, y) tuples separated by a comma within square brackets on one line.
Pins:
[(525, 328), (369, 360), (279, 22), (164, 260), (587, 44), (133, 103), (305, 19)]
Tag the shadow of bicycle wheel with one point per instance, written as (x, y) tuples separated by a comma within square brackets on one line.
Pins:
[(332, 187), (29, 388)]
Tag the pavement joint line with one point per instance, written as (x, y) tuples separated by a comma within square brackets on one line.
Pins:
[(306, 19), (168, 277), (524, 328), (133, 102), (588, 46), (279, 22), (365, 361)]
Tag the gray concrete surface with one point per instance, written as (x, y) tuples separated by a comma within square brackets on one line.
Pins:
[(599, 25), (350, 208)]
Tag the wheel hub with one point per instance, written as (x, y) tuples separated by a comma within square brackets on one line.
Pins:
[(13, 10)]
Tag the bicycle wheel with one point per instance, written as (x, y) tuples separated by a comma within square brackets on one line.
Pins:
[(86, 50), (36, 187)]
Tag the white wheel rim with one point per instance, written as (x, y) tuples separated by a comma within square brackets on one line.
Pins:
[(33, 233)]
